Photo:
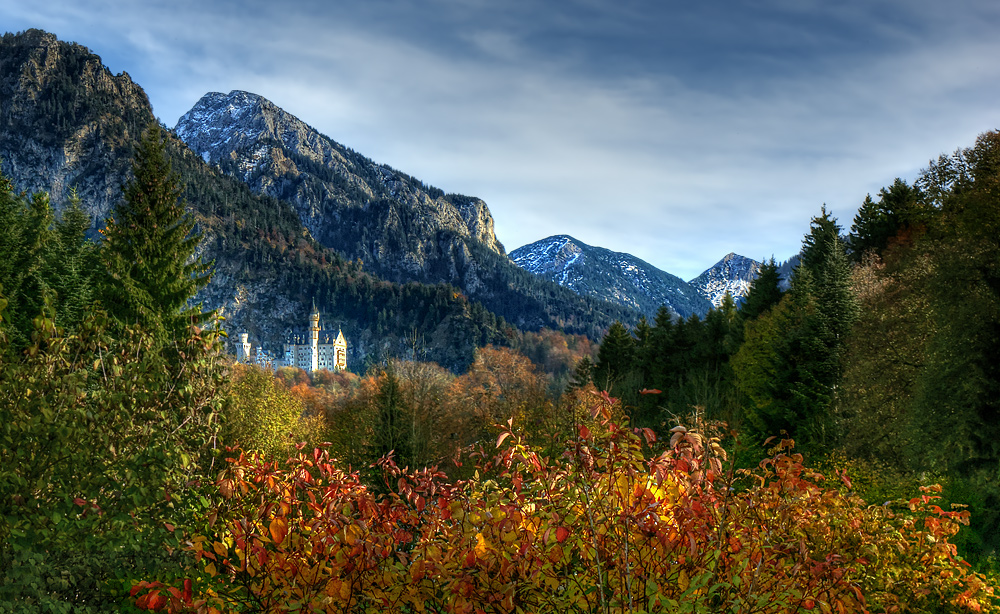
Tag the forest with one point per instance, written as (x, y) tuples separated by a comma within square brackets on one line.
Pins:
[(827, 446)]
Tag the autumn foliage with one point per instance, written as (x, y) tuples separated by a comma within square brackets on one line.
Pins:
[(617, 523)]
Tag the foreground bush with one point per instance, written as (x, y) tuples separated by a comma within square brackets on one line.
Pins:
[(602, 528)]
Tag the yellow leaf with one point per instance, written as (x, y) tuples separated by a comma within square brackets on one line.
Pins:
[(210, 570), (351, 534), (481, 544)]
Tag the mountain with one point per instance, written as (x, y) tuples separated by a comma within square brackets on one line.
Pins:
[(340, 195), (400, 228), (614, 276), (67, 122), (733, 274)]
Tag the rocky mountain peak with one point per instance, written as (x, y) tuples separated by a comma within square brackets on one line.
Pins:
[(220, 124), (279, 155), (554, 255), (733, 274)]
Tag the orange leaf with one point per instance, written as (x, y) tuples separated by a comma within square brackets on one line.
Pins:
[(501, 438), (278, 529), (351, 533)]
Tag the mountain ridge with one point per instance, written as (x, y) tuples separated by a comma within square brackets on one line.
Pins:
[(616, 276)]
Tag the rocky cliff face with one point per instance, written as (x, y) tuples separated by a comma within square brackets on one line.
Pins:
[(618, 277), (399, 227), (66, 121), (733, 274)]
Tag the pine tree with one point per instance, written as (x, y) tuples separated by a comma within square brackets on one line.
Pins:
[(582, 374), (877, 223), (824, 232), (70, 265), (391, 433), (765, 292), (25, 233), (149, 248), (615, 357)]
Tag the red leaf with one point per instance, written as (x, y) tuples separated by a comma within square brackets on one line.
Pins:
[(561, 534), (151, 601), (584, 432)]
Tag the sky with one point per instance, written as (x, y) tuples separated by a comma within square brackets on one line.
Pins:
[(677, 132)]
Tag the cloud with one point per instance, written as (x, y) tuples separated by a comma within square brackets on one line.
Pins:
[(677, 134)]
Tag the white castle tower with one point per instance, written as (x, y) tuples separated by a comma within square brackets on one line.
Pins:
[(243, 349), (314, 338)]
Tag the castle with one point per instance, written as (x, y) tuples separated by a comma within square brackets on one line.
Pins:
[(321, 350)]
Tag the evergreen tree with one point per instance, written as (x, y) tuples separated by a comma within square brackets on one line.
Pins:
[(765, 292), (661, 344), (149, 248), (391, 432), (877, 223), (791, 360), (582, 374), (71, 264), (615, 357), (783, 368), (824, 256), (642, 347), (824, 233), (25, 232)]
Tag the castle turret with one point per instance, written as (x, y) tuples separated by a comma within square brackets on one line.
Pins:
[(314, 338), (340, 352), (243, 349)]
